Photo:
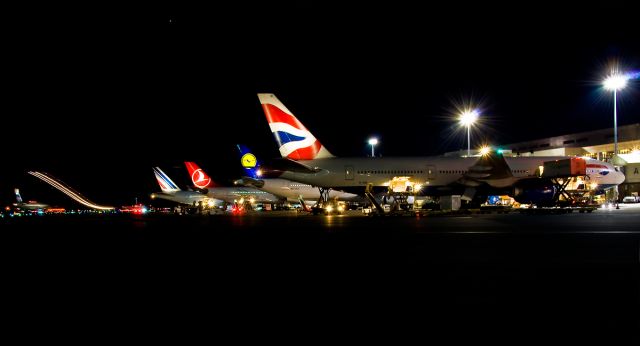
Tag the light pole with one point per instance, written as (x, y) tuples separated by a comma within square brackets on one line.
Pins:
[(373, 142), (467, 118), (615, 82)]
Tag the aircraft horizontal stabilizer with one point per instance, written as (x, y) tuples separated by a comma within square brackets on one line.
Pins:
[(248, 181), (284, 164)]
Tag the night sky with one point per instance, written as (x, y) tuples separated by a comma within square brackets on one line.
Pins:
[(97, 96)]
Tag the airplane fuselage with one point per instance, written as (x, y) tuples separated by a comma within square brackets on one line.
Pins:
[(234, 194), (182, 197), (292, 190), (429, 171), (31, 206)]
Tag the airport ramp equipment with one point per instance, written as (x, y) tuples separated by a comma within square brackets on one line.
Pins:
[(369, 195), (67, 190)]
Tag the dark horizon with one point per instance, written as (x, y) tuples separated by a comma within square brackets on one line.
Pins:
[(346, 73)]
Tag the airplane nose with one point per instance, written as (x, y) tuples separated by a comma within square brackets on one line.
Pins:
[(620, 178)]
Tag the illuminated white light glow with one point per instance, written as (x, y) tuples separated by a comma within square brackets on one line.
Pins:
[(259, 172), (252, 200), (632, 157), (67, 191), (468, 117), (372, 143), (616, 82), (210, 203), (484, 150)]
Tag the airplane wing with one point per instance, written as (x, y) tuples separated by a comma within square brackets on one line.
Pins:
[(491, 169)]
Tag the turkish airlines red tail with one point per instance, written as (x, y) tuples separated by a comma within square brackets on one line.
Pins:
[(199, 178)]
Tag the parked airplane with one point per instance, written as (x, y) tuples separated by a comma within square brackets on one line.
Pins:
[(306, 160), (293, 191), (171, 191), (203, 183), (30, 205)]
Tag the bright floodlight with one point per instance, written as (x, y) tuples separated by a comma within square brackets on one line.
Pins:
[(372, 143), (484, 150), (469, 117), (615, 82)]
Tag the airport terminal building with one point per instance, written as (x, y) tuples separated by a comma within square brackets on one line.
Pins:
[(598, 144)]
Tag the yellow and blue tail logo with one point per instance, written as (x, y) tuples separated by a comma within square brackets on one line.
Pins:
[(249, 162), (294, 140)]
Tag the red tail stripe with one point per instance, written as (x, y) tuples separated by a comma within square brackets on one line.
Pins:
[(308, 153), (276, 115)]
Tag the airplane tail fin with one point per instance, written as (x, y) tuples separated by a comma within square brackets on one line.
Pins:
[(18, 197), (249, 162), (294, 140), (303, 205), (199, 178), (166, 184)]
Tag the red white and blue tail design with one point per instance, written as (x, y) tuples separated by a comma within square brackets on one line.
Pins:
[(166, 184), (295, 141)]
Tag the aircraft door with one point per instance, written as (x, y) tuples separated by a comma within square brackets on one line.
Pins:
[(430, 172), (348, 173)]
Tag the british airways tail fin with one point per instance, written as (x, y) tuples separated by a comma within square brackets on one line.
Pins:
[(166, 184), (18, 197), (199, 178), (294, 140)]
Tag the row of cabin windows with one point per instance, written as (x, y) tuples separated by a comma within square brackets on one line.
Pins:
[(391, 172), (420, 172), (453, 172)]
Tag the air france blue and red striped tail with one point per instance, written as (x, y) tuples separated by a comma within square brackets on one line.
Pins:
[(166, 184), (294, 140)]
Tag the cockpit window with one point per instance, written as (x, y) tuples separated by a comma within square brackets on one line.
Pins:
[(617, 169)]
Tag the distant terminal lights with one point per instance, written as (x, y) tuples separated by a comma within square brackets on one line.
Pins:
[(134, 209), (480, 152)]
